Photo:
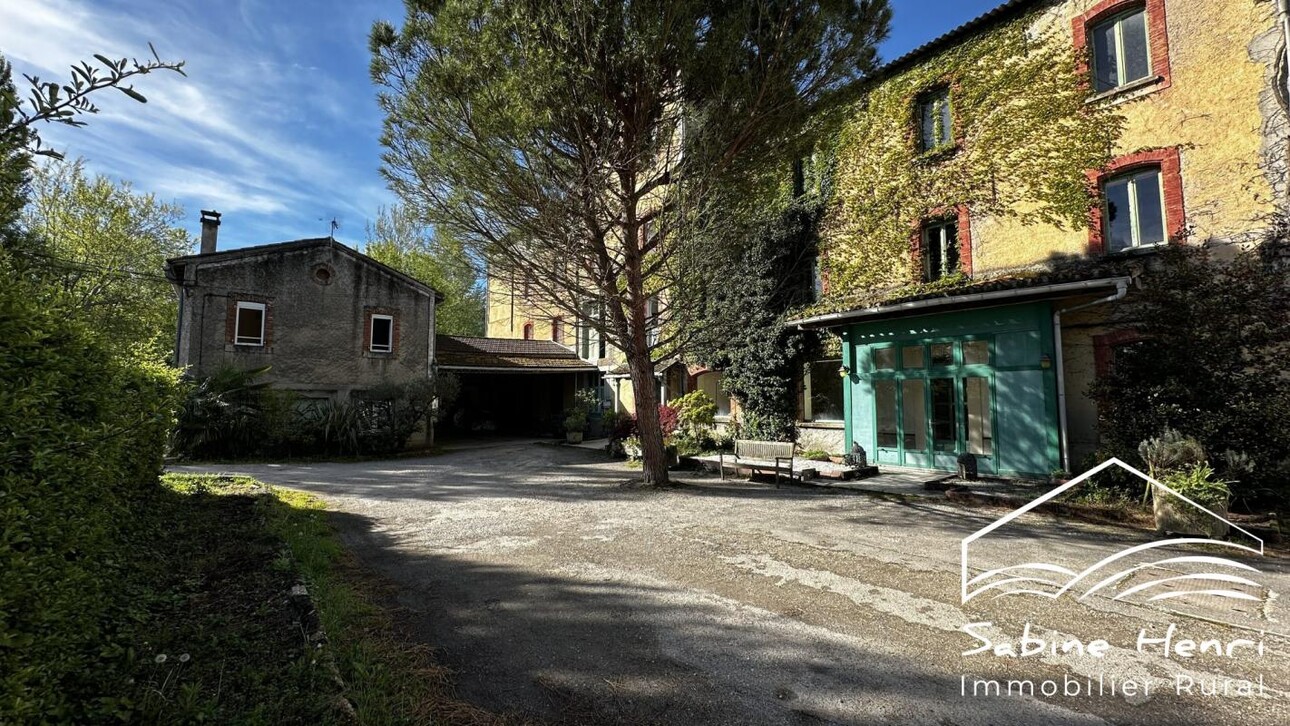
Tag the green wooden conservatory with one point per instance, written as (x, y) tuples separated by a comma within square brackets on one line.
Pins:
[(930, 379)]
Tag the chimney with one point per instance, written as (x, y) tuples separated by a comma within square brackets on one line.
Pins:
[(210, 230)]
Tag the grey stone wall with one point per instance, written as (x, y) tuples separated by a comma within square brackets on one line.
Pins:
[(319, 300)]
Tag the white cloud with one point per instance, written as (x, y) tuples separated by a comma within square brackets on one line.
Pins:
[(255, 129)]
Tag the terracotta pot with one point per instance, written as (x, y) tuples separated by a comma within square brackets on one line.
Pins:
[(1175, 516)]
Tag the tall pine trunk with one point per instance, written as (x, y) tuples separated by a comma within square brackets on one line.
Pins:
[(648, 427)]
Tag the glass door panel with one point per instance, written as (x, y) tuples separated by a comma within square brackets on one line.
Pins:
[(945, 430), (885, 402), (914, 421), (980, 431)]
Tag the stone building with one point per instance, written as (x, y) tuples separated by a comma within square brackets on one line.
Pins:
[(326, 319), (999, 363)]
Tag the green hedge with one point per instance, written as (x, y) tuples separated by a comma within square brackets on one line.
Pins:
[(82, 436)]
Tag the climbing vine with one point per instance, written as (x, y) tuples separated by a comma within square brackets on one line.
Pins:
[(1023, 136)]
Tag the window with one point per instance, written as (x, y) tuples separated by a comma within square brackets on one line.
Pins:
[(824, 391), (382, 334), (528, 331), (1121, 50), (884, 359), (557, 329), (935, 122), (250, 324), (652, 320), (591, 345), (940, 249), (817, 279), (1134, 211)]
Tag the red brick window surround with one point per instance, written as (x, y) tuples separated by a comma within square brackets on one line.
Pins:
[(1159, 74), (255, 314), (528, 330), (928, 233), (1105, 346), (381, 331), (1169, 164)]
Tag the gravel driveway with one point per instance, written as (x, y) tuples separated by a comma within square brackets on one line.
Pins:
[(558, 593)]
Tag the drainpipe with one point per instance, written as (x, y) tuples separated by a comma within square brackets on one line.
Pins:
[(1121, 289)]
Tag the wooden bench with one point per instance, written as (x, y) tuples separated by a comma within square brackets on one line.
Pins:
[(761, 456)]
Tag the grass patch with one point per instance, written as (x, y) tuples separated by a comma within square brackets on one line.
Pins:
[(226, 644)]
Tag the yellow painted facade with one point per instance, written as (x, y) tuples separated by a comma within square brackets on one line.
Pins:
[(1217, 109)]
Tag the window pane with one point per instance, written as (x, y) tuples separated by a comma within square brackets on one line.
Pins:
[(945, 430), (250, 325), (381, 333), (1133, 33), (1106, 71), (950, 250), (932, 245), (927, 112), (942, 354), (976, 353), (980, 434), (826, 391), (884, 359), (1119, 225), (885, 402), (915, 414), (912, 357), (1151, 216), (946, 135)]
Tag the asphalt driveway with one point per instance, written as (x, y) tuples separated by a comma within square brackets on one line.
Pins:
[(560, 592)]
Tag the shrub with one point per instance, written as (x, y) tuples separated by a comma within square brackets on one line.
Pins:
[(82, 436), (669, 419), (1210, 363), (624, 427), (233, 414), (1198, 484), (696, 414)]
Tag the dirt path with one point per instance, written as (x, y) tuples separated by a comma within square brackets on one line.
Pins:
[(559, 594)]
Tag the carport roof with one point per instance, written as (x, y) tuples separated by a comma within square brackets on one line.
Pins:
[(455, 352)]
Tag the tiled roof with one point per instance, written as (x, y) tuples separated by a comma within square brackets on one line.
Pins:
[(999, 14), (459, 352), (240, 253)]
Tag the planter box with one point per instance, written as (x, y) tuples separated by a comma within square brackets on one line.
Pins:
[(1175, 516), (573, 437)]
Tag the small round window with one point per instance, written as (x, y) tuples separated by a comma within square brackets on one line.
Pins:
[(323, 274)]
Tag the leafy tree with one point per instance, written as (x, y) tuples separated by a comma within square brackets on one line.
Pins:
[(439, 260), (582, 146), (15, 159), (1209, 364), (103, 248), (51, 102)]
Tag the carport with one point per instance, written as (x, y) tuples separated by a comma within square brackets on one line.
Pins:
[(511, 387)]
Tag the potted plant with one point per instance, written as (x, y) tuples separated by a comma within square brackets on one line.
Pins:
[(1177, 516), (574, 424), (1179, 463)]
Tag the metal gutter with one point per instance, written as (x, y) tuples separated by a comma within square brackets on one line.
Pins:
[(1121, 289), (1001, 297)]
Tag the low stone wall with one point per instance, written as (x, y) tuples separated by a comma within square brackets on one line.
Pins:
[(827, 436)]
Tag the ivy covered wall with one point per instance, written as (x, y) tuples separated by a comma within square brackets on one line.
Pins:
[(1023, 139)]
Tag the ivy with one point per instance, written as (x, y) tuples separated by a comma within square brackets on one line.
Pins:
[(1024, 137)]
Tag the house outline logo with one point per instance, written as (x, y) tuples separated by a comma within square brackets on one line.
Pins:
[(1026, 585)]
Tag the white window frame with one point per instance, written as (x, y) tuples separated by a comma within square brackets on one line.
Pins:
[(1135, 216), (940, 102), (371, 334), (256, 341), (1117, 22), (941, 241)]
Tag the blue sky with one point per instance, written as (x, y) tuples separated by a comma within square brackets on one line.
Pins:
[(276, 125)]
